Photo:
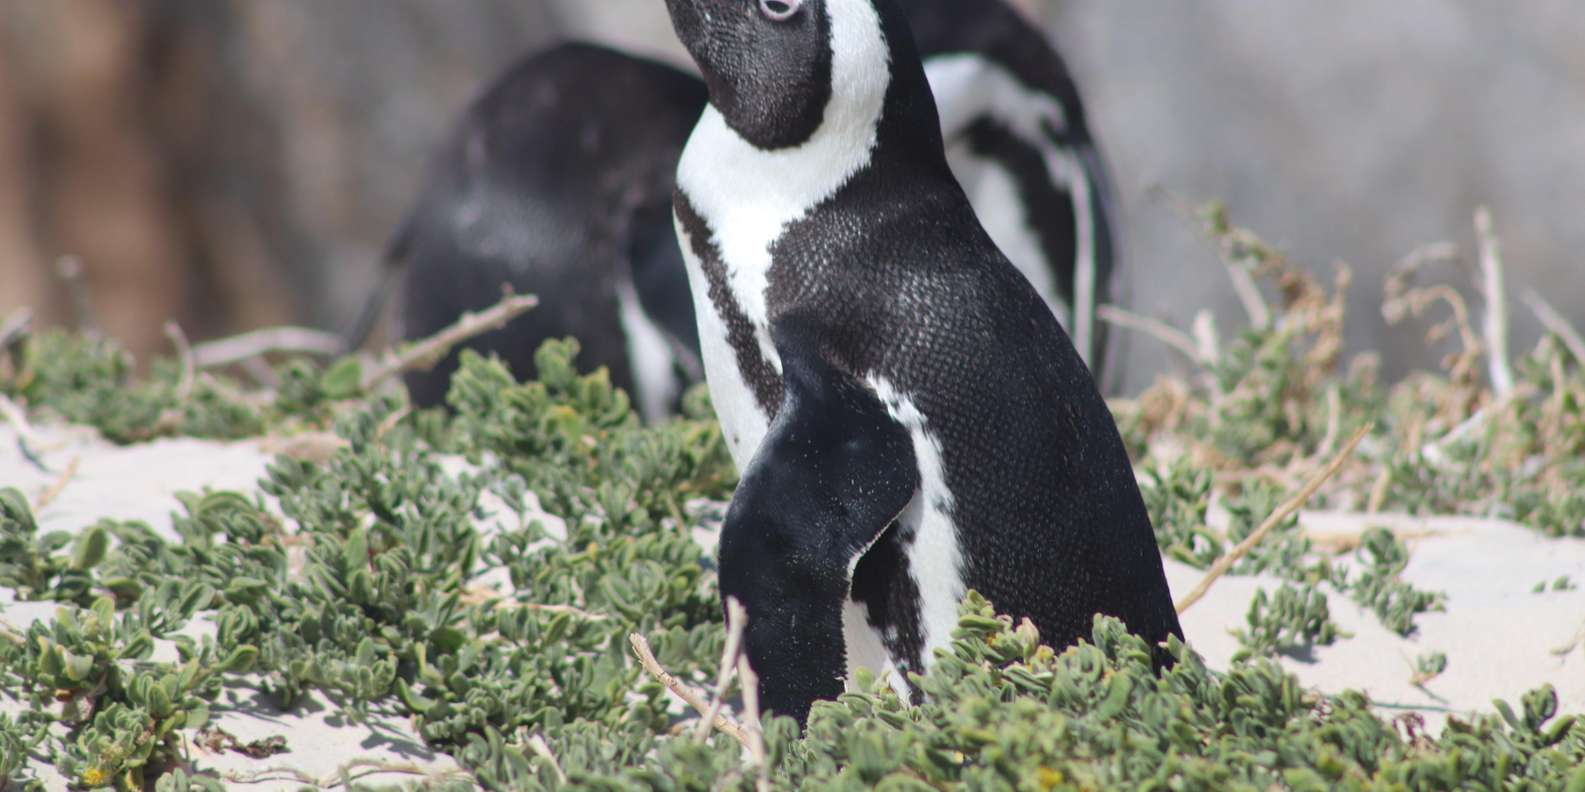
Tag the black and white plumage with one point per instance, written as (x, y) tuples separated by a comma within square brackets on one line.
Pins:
[(1016, 139), (558, 181), (909, 417)]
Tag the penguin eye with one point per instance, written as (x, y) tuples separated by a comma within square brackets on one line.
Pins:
[(779, 10)]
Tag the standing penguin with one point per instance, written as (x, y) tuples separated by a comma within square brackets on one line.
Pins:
[(910, 419), (549, 182)]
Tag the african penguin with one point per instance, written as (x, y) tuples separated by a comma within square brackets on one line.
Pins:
[(558, 181), (1018, 141), (910, 419), (1020, 147)]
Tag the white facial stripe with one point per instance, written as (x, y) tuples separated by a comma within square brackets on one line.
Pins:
[(649, 355), (748, 196), (935, 558), (969, 87)]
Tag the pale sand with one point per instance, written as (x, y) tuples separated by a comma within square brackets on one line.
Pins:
[(1499, 637)]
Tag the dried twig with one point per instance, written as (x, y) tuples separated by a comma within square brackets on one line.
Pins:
[(681, 690), (1249, 294), (1206, 339), (429, 351), (475, 595), (1436, 452), (341, 775), (53, 491), (27, 439), (1155, 328), (9, 633), (184, 351), (1284, 511), (1334, 420), (390, 423), (541, 748), (316, 447), (1563, 649), (750, 682), (1557, 324), (736, 621), (270, 340), (1499, 367)]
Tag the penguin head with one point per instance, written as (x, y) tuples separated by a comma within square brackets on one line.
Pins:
[(778, 70)]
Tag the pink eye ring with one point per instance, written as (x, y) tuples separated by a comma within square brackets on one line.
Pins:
[(779, 10)]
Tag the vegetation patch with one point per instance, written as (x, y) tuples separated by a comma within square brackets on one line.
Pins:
[(363, 570)]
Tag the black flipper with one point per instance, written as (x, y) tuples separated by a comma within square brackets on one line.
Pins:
[(832, 474)]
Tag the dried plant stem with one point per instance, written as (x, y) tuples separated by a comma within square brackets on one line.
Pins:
[(756, 732), (1334, 420), (1284, 511), (541, 749), (257, 343), (430, 350), (1436, 452), (681, 690), (184, 351), (1578, 639), (1155, 328), (341, 775), (390, 423), (542, 608), (1557, 324), (1499, 367), (1249, 294), (736, 622), (53, 491), (27, 439)]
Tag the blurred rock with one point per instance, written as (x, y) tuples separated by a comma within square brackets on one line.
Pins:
[(1353, 131), (223, 162)]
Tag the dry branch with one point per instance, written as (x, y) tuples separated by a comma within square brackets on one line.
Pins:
[(750, 682), (53, 491), (541, 748), (1155, 328), (184, 351), (736, 622), (429, 351), (1495, 328), (27, 439), (646, 658), (1284, 511), (1557, 324), (255, 344)]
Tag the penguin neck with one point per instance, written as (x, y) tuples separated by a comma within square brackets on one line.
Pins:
[(734, 184)]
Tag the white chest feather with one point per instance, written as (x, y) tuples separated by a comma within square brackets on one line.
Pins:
[(747, 196)]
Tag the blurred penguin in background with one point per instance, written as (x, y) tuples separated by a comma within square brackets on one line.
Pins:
[(557, 182)]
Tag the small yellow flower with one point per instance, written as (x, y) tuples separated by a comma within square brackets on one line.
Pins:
[(95, 777)]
